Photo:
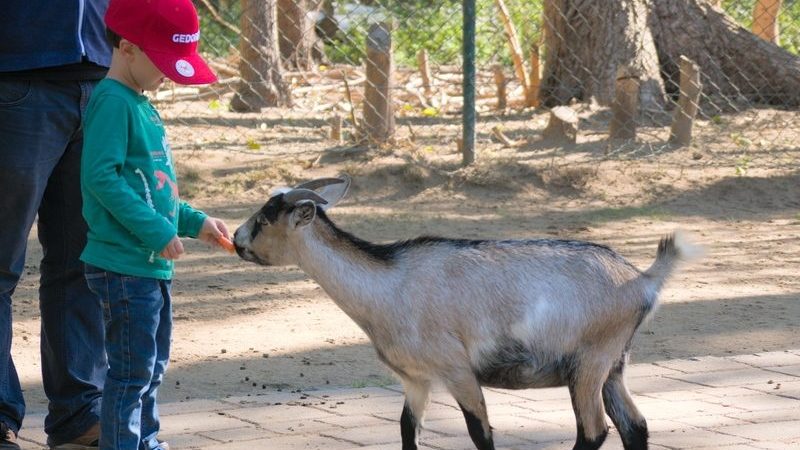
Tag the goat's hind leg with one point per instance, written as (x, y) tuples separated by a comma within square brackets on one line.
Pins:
[(417, 399), (467, 391), (629, 421), (585, 386)]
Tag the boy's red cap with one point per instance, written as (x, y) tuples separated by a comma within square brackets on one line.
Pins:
[(167, 31)]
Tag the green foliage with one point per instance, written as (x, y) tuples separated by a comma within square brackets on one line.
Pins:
[(217, 39)]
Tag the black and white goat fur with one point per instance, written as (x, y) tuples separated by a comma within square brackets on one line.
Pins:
[(471, 313)]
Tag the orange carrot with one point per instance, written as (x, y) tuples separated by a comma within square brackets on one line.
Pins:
[(226, 244)]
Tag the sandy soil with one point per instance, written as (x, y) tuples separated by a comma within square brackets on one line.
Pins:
[(244, 329)]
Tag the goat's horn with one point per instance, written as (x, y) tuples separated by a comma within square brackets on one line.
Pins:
[(318, 183), (295, 195)]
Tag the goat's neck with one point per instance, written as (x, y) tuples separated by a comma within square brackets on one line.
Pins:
[(358, 284)]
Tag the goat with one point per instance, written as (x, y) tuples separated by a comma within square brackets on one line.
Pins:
[(471, 313)]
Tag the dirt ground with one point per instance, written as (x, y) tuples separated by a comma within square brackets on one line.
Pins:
[(242, 329)]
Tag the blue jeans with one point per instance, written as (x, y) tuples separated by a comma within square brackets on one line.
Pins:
[(40, 151), (138, 329)]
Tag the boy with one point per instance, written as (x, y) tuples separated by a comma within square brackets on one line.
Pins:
[(132, 206)]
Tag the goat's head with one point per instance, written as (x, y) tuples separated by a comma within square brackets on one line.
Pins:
[(265, 237)]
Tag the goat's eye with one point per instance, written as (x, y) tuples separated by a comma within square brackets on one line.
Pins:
[(262, 219)]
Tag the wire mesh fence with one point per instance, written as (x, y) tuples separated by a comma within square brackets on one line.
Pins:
[(568, 80)]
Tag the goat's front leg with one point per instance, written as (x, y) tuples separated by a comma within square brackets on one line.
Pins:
[(417, 400), (467, 392)]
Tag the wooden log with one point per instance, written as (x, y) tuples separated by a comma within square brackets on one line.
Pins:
[(500, 81), (424, 70), (378, 111), (513, 45), (563, 125), (532, 91), (625, 107), (497, 133), (765, 20), (688, 103), (336, 128)]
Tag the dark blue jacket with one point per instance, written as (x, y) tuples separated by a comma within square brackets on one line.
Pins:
[(37, 34)]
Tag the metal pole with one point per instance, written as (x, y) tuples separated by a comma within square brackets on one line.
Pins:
[(468, 113)]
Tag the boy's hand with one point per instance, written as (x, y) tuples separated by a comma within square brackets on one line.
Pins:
[(173, 250), (215, 232)]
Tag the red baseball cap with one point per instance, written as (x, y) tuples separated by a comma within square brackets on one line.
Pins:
[(167, 31)]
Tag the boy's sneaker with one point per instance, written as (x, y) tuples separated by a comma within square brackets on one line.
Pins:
[(8, 440), (163, 445), (87, 441)]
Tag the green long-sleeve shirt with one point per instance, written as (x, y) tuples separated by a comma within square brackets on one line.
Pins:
[(130, 194)]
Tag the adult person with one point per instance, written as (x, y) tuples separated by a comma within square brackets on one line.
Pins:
[(51, 56)]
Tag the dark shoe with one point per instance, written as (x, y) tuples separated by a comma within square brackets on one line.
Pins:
[(87, 441), (8, 439)]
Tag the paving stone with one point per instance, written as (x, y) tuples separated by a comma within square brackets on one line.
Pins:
[(696, 438), (647, 370), (648, 385), (744, 377), (286, 443), (759, 402), (559, 393), (247, 433), (778, 445), (167, 409), (784, 389), (197, 422), (464, 442), (793, 370), (273, 413), (387, 433), (765, 431), (357, 421), (703, 364), (729, 391), (186, 440), (769, 415), (713, 408), (768, 359), (685, 409)]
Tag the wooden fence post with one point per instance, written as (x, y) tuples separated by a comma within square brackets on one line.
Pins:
[(562, 126), (625, 107), (378, 108), (500, 81), (424, 70), (765, 19), (532, 93), (688, 103), (336, 128)]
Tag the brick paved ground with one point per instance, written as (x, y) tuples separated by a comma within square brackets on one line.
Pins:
[(732, 403)]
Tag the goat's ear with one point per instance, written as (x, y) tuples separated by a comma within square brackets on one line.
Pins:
[(303, 213), (332, 193)]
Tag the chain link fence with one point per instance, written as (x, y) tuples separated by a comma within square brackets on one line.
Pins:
[(565, 80)]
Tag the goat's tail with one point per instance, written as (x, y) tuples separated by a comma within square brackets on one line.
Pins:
[(672, 248)]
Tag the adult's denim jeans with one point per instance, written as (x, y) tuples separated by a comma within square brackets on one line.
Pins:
[(40, 150), (138, 330)]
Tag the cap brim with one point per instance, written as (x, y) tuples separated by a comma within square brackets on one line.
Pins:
[(188, 69)]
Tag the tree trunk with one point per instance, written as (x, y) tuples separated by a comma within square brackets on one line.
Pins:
[(296, 34), (587, 40), (262, 84), (736, 65)]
